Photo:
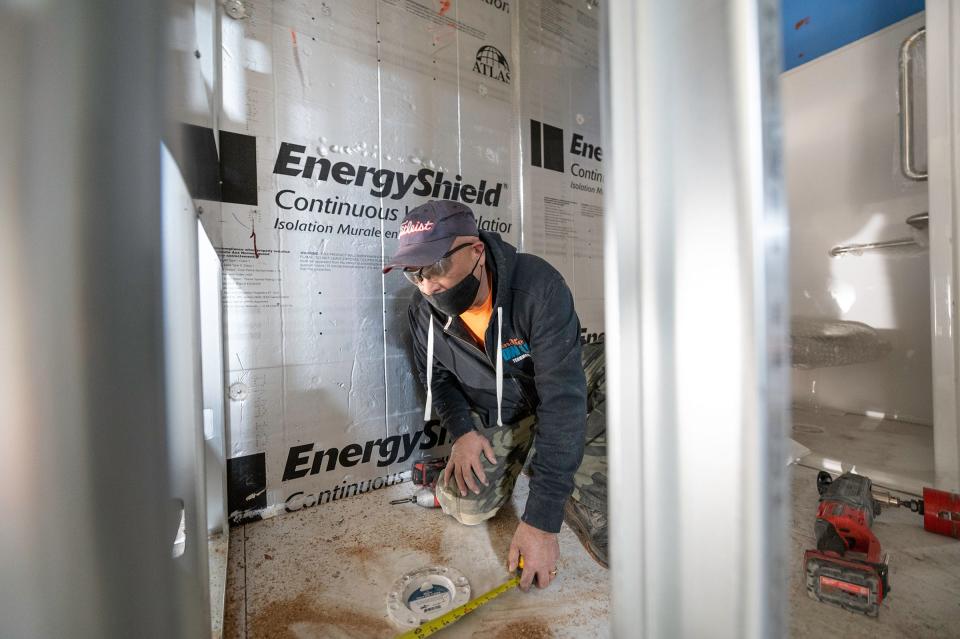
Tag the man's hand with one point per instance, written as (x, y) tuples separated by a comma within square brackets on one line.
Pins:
[(465, 462), (540, 552)]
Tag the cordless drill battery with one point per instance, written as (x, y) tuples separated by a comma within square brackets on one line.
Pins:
[(426, 472)]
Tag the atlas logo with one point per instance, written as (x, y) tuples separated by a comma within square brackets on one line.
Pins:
[(491, 62)]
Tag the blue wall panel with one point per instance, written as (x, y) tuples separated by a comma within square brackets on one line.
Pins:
[(812, 28)]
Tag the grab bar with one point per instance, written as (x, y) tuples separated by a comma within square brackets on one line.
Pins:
[(920, 221), (906, 102), (837, 251)]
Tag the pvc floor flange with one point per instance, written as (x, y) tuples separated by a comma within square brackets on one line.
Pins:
[(426, 593)]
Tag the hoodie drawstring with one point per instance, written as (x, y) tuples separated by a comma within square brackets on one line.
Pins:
[(499, 364), (426, 414)]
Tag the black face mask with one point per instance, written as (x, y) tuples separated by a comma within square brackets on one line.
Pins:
[(459, 297)]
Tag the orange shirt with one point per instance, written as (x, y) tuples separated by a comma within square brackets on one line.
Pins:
[(477, 319)]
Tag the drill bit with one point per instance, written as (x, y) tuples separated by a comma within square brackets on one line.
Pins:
[(885, 497), (423, 497)]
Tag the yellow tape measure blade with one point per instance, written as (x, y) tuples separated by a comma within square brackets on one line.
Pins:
[(428, 628)]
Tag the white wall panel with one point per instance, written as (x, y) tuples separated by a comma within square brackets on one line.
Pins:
[(559, 45), (845, 186), (317, 342), (944, 163)]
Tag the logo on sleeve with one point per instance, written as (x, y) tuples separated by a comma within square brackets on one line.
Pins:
[(515, 350)]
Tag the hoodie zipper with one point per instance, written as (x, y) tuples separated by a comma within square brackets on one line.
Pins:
[(472, 347)]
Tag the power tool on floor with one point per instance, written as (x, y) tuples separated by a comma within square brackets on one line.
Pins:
[(846, 569), (424, 497), (425, 473)]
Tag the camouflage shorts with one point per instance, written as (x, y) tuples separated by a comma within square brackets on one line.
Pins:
[(513, 444)]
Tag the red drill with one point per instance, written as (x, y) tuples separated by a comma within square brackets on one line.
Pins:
[(846, 568), (425, 472)]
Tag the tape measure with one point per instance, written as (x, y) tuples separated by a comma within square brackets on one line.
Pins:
[(450, 618)]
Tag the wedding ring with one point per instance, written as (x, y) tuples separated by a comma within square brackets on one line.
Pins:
[(553, 573)]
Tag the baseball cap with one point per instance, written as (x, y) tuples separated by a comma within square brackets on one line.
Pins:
[(427, 230)]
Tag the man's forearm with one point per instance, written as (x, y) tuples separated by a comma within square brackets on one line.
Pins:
[(544, 509)]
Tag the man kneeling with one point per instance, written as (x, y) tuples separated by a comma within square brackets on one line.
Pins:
[(497, 346)]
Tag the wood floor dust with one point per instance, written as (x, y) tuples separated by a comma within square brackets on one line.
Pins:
[(360, 551), (428, 541), (362, 546), (277, 619), (530, 629)]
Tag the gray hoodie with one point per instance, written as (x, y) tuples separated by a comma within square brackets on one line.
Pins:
[(531, 365)]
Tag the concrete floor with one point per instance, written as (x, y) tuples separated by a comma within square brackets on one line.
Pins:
[(924, 596), (924, 599), (325, 571)]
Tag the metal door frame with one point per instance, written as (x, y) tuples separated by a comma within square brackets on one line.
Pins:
[(696, 288), (943, 148)]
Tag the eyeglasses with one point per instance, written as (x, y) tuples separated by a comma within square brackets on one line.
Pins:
[(432, 271)]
